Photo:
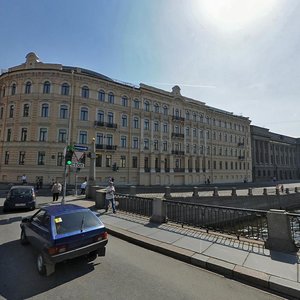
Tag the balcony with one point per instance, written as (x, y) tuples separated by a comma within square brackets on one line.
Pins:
[(176, 118), (178, 135), (177, 152), (105, 124), (106, 147)]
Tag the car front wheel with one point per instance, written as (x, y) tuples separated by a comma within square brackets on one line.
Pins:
[(23, 238), (40, 263)]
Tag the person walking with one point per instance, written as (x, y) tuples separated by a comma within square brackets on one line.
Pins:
[(110, 197), (24, 179), (83, 187), (56, 190)]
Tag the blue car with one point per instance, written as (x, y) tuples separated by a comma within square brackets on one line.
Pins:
[(62, 232)]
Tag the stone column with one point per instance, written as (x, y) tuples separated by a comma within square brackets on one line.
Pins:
[(158, 215), (195, 192), (279, 232)]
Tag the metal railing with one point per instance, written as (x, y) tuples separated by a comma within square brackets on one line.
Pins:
[(249, 223), (295, 227), (136, 205)]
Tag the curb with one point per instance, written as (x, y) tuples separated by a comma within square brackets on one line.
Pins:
[(249, 276)]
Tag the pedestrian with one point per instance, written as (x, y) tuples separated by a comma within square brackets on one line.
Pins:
[(41, 182), (110, 196), (37, 183), (56, 190), (24, 179), (83, 187), (282, 188)]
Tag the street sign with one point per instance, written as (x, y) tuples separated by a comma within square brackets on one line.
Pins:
[(77, 165), (80, 148)]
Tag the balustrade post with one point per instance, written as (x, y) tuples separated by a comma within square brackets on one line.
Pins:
[(215, 193), (296, 189), (250, 192), (277, 191), (167, 194), (233, 191), (158, 211), (287, 190), (265, 192), (195, 192), (132, 190), (279, 232)]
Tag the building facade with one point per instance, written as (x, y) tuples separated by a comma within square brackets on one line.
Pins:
[(274, 156), (143, 135)]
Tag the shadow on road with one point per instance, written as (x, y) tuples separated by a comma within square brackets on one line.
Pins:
[(20, 279)]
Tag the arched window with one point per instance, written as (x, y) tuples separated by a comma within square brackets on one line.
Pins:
[(165, 109), (28, 87), (84, 114), (111, 98), (85, 92), (156, 108), (46, 87), (45, 110), (64, 112), (136, 103), (11, 111), (124, 121), (13, 89), (124, 101), (26, 110), (101, 95), (65, 89), (176, 113), (147, 106), (100, 116)]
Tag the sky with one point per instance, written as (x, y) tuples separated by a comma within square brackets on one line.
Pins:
[(242, 56)]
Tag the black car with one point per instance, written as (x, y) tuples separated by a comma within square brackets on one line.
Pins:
[(62, 232), (20, 197)]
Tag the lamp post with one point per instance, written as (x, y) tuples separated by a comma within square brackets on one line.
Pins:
[(92, 171)]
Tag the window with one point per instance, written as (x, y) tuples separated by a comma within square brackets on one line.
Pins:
[(165, 110), (1, 112), (11, 111), (146, 144), (41, 157), (111, 98), (45, 110), (165, 128), (124, 121), (123, 161), (123, 142), (63, 112), (8, 135), (155, 145), (3, 91), (156, 108), (134, 162), (6, 158), (21, 157), (98, 160), (82, 137), (165, 146), (177, 113), (136, 123), (101, 96), (99, 139), (124, 101), (46, 87), (136, 103), (28, 87), (43, 135), (147, 106), (13, 89), (23, 134), (135, 143), (156, 126), (146, 124), (85, 92), (110, 116), (187, 131), (62, 135), (100, 116), (26, 110), (109, 140), (60, 159), (194, 132), (194, 148), (84, 114), (108, 160), (65, 89), (194, 117)]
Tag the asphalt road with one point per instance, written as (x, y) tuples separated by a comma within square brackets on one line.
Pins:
[(126, 272)]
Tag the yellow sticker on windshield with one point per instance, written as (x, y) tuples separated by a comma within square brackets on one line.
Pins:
[(57, 220)]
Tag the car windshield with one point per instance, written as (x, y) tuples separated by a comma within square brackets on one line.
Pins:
[(77, 221), (25, 192)]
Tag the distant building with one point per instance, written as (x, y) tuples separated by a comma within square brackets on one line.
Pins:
[(274, 156), (143, 135)]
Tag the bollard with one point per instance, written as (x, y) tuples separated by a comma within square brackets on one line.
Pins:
[(296, 189), (167, 194), (265, 192), (159, 215), (233, 191), (287, 191), (215, 193), (277, 191), (195, 192), (132, 190), (250, 192)]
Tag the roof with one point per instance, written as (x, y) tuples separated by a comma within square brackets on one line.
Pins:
[(63, 209), (22, 187)]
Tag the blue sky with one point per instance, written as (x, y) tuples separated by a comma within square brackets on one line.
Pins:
[(238, 55)]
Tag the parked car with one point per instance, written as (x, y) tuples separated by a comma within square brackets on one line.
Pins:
[(20, 196), (62, 232)]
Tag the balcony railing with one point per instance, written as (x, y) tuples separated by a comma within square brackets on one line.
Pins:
[(106, 147), (106, 124), (177, 152), (176, 118), (177, 135)]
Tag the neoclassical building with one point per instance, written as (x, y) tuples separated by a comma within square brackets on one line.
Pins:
[(274, 155), (143, 135)]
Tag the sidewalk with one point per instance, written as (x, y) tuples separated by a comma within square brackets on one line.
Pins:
[(242, 260)]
